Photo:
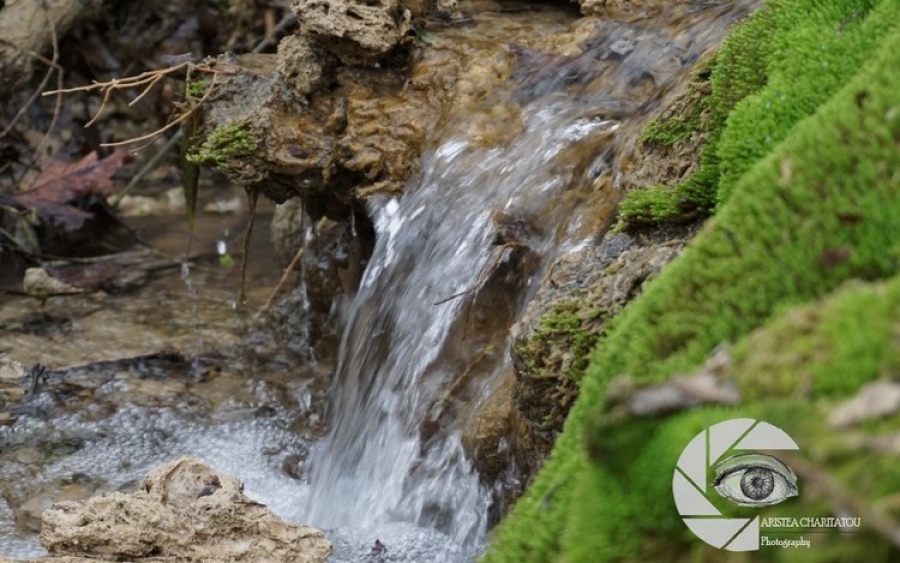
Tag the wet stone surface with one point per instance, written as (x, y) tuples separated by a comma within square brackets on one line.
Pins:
[(96, 389)]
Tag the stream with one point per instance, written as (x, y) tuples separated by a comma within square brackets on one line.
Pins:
[(425, 339)]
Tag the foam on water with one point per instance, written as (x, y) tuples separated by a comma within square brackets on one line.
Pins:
[(122, 448)]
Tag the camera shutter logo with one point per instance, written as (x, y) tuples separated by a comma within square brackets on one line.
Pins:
[(745, 479)]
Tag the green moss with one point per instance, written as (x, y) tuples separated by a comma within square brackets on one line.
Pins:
[(816, 209), (809, 56), (736, 72), (568, 327), (197, 88), (225, 144), (834, 347), (553, 359), (651, 205), (760, 90), (671, 130)]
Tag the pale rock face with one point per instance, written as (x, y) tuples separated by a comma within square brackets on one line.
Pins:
[(182, 511), (356, 32)]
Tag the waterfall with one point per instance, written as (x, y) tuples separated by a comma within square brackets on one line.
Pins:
[(394, 451)]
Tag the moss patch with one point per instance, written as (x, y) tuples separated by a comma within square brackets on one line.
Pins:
[(225, 144), (554, 357), (567, 327), (798, 219), (760, 90)]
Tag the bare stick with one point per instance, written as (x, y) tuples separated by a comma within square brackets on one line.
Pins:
[(172, 124), (881, 523), (281, 283), (149, 87), (252, 197), (34, 96), (287, 21), (122, 83), (482, 277), (59, 80)]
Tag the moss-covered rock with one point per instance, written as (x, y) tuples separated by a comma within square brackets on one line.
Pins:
[(553, 341), (759, 91), (694, 124), (225, 144), (812, 204)]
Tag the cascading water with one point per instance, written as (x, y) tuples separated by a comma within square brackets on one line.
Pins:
[(432, 245), (435, 249)]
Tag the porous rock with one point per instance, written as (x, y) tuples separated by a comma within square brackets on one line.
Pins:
[(564, 322), (183, 511)]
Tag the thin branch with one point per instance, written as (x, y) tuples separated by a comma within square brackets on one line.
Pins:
[(881, 523), (171, 124), (281, 283), (59, 80), (252, 198), (50, 63)]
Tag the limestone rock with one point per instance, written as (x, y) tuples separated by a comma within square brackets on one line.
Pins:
[(566, 319), (183, 511), (300, 65), (356, 32)]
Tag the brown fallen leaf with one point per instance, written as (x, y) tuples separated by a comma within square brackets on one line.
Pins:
[(57, 193)]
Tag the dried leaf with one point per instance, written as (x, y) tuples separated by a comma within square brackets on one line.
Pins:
[(56, 192)]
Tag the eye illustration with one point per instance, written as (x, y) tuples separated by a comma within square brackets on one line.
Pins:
[(755, 480)]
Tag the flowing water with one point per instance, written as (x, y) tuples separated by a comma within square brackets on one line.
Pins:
[(433, 244), (438, 251)]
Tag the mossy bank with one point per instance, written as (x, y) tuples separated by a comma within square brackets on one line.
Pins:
[(796, 269)]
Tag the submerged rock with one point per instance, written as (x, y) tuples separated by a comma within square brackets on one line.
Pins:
[(183, 511)]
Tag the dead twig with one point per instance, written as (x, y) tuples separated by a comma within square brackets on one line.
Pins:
[(252, 198), (281, 283), (52, 64), (485, 272), (881, 523), (146, 81), (479, 283)]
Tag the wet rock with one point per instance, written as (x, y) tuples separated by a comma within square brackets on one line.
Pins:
[(183, 511), (625, 10), (553, 340), (334, 256), (487, 436), (76, 488), (394, 543), (38, 282), (358, 33)]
